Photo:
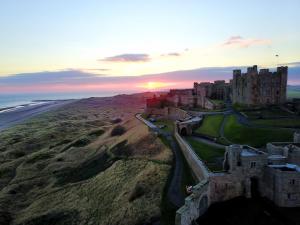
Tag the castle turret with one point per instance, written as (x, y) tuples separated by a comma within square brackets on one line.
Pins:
[(252, 69), (236, 73), (283, 73), (297, 137), (234, 152)]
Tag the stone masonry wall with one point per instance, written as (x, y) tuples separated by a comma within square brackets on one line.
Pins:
[(197, 166)]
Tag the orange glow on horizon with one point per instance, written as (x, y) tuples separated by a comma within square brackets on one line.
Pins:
[(155, 85)]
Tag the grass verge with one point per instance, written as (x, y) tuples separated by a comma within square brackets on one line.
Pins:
[(291, 123), (211, 125), (255, 137), (212, 156)]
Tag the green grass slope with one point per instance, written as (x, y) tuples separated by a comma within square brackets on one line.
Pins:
[(256, 137), (211, 125), (212, 156), (65, 167)]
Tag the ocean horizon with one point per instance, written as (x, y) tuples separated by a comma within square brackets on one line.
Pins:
[(13, 100)]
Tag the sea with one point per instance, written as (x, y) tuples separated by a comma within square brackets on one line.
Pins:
[(17, 100)]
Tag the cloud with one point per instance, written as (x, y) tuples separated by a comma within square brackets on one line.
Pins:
[(240, 42), (291, 64), (102, 70), (127, 58), (80, 81), (172, 54)]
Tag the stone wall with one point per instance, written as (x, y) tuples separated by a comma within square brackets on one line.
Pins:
[(172, 113), (224, 186), (163, 112), (208, 104), (198, 202), (282, 187), (177, 114), (197, 166), (195, 205)]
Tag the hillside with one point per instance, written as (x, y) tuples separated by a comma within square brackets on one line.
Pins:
[(66, 167)]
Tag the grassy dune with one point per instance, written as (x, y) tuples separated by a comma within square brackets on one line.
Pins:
[(65, 167)]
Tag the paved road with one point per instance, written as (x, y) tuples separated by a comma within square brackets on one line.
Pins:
[(175, 195), (10, 118)]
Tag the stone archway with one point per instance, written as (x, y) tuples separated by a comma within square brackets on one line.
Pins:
[(203, 205), (254, 187), (183, 131)]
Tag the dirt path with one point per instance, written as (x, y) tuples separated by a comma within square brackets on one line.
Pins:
[(175, 195)]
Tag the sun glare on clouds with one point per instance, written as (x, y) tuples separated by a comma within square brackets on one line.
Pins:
[(155, 85)]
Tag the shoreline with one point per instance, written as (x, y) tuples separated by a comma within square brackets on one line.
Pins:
[(31, 103), (11, 116)]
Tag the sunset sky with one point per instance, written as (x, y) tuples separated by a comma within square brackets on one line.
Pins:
[(107, 40)]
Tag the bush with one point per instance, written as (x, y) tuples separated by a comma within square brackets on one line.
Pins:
[(137, 192), (81, 142), (118, 120), (118, 130), (96, 133), (18, 154)]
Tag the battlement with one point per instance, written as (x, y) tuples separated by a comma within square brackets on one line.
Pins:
[(263, 88)]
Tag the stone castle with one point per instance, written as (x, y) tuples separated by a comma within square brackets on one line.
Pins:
[(259, 88), (273, 173), (200, 96), (251, 88)]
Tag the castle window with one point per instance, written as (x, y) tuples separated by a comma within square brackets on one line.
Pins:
[(292, 182), (239, 163), (252, 164), (289, 195)]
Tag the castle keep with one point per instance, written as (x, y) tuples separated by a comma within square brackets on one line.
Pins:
[(259, 88), (201, 95), (251, 88)]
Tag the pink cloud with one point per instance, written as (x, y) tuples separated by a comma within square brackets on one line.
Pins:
[(127, 58), (240, 42)]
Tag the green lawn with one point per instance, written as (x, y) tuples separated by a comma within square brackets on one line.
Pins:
[(216, 101), (293, 94), (211, 125), (266, 113), (168, 123), (212, 156), (293, 123), (256, 137)]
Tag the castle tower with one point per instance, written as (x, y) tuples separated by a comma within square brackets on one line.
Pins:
[(297, 137), (235, 85), (283, 73), (234, 152)]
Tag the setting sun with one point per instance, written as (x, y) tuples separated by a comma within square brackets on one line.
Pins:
[(155, 85)]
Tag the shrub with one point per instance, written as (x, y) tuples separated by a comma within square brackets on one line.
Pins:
[(118, 120), (17, 154), (81, 142), (137, 192), (118, 130), (96, 133)]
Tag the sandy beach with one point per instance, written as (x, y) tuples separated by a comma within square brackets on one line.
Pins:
[(12, 116)]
